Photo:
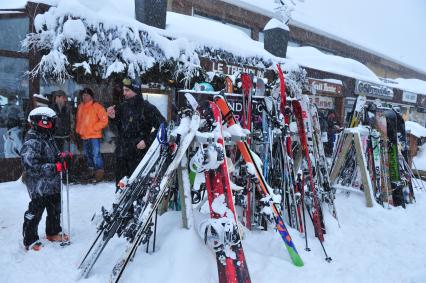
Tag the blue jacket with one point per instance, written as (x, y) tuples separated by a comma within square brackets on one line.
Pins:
[(38, 156)]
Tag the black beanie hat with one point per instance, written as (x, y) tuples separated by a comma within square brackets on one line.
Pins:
[(134, 85), (87, 90)]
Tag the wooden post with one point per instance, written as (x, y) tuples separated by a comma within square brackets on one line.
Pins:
[(185, 193), (362, 164)]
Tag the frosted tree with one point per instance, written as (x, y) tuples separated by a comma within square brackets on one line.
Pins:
[(284, 8)]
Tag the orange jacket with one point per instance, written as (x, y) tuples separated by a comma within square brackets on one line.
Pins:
[(91, 119)]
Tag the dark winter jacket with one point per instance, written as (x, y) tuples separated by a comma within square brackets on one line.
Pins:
[(38, 157), (134, 119), (63, 121)]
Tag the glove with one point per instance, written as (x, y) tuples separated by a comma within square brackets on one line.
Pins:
[(59, 166)]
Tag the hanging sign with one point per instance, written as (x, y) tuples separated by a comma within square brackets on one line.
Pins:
[(408, 96), (229, 69), (375, 90), (324, 87)]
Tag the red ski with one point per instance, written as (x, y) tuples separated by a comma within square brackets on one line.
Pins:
[(247, 87), (299, 115), (231, 263), (285, 111)]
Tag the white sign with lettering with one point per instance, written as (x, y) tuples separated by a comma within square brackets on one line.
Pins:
[(371, 89), (408, 96)]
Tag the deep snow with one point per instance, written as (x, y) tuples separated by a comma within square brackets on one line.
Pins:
[(372, 245)]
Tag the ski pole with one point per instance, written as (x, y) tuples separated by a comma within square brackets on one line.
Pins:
[(327, 258), (418, 175), (68, 205), (302, 190), (62, 207), (155, 230)]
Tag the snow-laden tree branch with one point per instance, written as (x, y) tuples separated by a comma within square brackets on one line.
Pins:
[(74, 41), (283, 9)]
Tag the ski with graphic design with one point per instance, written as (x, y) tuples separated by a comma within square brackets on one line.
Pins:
[(395, 178), (403, 156), (247, 87), (357, 111), (376, 148), (221, 231), (300, 116), (264, 189), (229, 84), (381, 126), (291, 190)]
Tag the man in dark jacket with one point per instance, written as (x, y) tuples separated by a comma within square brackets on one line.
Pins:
[(135, 120), (63, 126), (39, 159)]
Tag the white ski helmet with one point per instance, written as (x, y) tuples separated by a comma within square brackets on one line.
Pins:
[(42, 118)]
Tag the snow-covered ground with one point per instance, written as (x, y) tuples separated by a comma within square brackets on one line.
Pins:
[(419, 161), (372, 245)]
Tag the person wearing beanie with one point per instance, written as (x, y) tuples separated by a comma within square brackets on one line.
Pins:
[(135, 120), (90, 121)]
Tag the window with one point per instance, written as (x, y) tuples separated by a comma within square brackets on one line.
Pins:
[(261, 36), (12, 32), (161, 101), (13, 104)]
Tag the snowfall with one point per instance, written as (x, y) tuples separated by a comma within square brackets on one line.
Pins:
[(371, 245)]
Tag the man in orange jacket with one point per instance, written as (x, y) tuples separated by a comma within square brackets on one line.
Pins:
[(91, 119)]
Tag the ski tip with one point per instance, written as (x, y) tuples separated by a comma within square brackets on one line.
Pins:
[(191, 100), (296, 259), (298, 262), (218, 96)]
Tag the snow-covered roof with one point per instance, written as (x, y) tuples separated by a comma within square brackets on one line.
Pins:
[(389, 30), (413, 85), (415, 129), (313, 58), (204, 32), (189, 33), (238, 42)]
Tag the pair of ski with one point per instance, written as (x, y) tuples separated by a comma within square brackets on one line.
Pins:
[(143, 193)]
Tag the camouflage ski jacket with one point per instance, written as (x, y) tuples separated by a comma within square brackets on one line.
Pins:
[(38, 156)]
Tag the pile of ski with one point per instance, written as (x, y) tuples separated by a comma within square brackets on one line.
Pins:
[(131, 215)]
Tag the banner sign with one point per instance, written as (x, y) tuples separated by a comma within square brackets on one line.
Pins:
[(375, 90)]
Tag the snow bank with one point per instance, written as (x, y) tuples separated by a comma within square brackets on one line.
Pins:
[(415, 129)]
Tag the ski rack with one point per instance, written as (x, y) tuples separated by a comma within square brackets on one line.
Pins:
[(349, 135), (213, 93)]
